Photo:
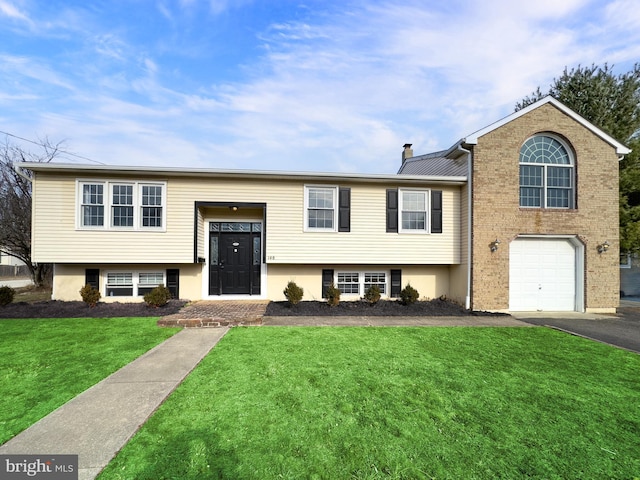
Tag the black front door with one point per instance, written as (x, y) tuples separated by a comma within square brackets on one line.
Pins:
[(235, 263), (234, 259)]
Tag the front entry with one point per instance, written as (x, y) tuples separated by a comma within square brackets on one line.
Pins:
[(234, 258)]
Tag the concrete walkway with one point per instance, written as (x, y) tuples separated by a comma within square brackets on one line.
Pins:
[(99, 422)]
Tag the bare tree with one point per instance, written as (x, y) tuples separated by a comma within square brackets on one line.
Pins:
[(15, 204)]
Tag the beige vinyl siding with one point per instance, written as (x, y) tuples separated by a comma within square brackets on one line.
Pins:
[(460, 273), (430, 281), (368, 240), (69, 279), (58, 240)]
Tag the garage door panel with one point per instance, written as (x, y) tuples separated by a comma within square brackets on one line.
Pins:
[(542, 275)]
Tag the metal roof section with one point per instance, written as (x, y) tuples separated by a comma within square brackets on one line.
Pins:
[(436, 164), (620, 148), (82, 169)]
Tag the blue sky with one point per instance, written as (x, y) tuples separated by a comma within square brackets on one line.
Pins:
[(326, 85)]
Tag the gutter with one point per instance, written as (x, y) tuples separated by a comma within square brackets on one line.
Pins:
[(253, 174), (18, 169)]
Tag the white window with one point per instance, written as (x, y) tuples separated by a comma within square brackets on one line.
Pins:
[(357, 283), (414, 207), (131, 284), (119, 284), (92, 205), (546, 174), (379, 279), (349, 282), (320, 212), (147, 281), (151, 206), (121, 205)]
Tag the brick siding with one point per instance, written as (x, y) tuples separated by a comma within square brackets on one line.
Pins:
[(497, 213)]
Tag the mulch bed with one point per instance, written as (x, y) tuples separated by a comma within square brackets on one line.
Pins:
[(57, 309), (386, 308)]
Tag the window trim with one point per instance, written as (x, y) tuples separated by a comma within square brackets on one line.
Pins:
[(135, 281), (427, 211), (108, 205), (334, 192), (571, 166)]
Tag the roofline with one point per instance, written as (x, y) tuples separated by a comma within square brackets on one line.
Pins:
[(473, 138), (221, 173)]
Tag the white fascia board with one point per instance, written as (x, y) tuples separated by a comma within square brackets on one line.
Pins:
[(620, 148), (219, 173)]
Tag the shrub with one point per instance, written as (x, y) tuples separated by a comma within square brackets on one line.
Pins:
[(90, 295), (6, 295), (409, 295), (293, 293), (333, 295), (158, 297), (372, 295)]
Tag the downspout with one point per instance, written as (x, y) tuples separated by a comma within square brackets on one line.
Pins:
[(469, 216)]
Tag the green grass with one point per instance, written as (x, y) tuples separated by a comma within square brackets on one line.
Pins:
[(46, 362), (402, 403)]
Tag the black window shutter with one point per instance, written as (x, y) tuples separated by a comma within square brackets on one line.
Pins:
[(392, 210), (173, 282), (344, 209), (436, 211), (327, 281), (92, 277), (396, 283)]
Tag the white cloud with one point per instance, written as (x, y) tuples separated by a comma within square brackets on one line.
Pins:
[(13, 12)]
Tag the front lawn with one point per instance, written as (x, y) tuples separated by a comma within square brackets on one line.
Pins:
[(46, 362), (410, 403)]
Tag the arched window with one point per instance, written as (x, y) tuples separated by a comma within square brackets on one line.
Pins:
[(546, 174)]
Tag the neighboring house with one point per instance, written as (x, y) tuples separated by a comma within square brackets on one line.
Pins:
[(10, 260), (12, 268), (629, 275), (521, 215)]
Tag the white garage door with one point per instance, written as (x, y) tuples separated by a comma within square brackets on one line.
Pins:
[(542, 275)]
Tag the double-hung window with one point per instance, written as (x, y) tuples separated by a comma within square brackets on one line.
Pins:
[(119, 284), (121, 205), (151, 206), (414, 205), (147, 281), (92, 205), (349, 282), (357, 283), (131, 284), (546, 174), (321, 213)]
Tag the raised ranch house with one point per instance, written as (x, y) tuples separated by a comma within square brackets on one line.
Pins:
[(521, 215)]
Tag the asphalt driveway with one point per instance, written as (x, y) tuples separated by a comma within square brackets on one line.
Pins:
[(621, 330)]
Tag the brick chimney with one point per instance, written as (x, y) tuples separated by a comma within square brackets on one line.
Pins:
[(407, 152)]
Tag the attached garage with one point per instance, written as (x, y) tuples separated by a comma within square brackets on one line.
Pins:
[(546, 274)]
